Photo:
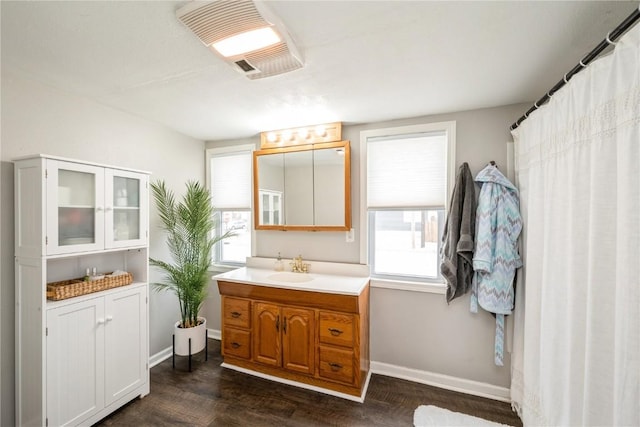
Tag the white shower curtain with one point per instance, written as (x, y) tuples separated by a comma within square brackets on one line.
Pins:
[(576, 348)]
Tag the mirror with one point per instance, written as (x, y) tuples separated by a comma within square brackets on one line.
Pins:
[(304, 187)]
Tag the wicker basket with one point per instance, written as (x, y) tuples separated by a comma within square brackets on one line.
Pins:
[(76, 287)]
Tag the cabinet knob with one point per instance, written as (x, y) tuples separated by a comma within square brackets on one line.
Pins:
[(109, 318), (108, 209), (335, 366), (99, 209), (335, 332), (235, 344), (100, 321), (235, 314)]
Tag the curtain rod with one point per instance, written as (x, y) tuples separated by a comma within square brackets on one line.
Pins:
[(612, 36)]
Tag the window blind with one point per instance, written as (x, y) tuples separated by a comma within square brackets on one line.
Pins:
[(231, 180), (407, 171)]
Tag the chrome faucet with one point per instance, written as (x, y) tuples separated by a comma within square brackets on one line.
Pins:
[(297, 266)]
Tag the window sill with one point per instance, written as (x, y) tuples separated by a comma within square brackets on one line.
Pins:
[(432, 288), (222, 268)]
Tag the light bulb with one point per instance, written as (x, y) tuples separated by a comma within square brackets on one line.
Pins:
[(303, 133), (321, 130), (271, 137), (287, 135)]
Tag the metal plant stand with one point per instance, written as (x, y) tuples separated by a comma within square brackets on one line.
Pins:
[(173, 352)]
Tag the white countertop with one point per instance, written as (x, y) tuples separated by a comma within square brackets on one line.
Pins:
[(313, 282)]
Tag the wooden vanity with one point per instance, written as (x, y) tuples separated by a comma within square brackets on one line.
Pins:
[(313, 333)]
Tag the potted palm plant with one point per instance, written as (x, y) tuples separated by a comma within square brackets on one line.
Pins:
[(189, 225)]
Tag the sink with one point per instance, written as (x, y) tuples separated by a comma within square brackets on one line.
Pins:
[(290, 277)]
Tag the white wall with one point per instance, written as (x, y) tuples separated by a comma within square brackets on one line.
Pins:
[(410, 329), (38, 119)]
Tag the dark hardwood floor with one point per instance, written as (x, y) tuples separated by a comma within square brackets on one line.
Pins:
[(214, 396)]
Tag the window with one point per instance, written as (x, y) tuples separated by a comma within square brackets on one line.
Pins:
[(229, 171), (407, 170)]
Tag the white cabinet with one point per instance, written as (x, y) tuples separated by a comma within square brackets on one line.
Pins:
[(93, 208), (95, 353), (79, 359)]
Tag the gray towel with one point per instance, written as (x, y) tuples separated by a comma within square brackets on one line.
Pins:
[(457, 240)]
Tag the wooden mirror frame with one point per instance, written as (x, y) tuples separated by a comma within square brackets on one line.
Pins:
[(299, 148)]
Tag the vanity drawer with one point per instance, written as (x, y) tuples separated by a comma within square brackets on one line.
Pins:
[(236, 342), (236, 312), (336, 328), (336, 364)]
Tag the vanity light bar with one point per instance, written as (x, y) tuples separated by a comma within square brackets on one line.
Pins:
[(314, 134)]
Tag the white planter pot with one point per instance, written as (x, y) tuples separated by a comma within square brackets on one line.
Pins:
[(197, 334)]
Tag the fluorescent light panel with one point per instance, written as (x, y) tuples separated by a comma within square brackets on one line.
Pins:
[(247, 42)]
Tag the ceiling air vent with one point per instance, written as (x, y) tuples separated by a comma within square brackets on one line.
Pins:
[(218, 23), (245, 66)]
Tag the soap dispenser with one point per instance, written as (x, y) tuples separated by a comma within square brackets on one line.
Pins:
[(279, 265)]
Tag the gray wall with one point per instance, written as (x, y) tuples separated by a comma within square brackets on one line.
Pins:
[(415, 330), (37, 119), (408, 329)]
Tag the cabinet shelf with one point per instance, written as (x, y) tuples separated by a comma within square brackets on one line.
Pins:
[(76, 207), (53, 304)]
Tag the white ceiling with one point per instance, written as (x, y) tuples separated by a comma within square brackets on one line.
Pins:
[(364, 61)]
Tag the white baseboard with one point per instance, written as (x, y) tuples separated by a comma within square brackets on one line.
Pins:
[(447, 382), (164, 354), (160, 356), (359, 399), (214, 334)]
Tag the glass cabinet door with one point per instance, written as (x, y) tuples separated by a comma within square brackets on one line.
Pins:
[(270, 207), (126, 195), (75, 210)]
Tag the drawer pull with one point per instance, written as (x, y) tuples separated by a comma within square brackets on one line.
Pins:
[(236, 314), (284, 327), (335, 332), (278, 323), (235, 344), (335, 367)]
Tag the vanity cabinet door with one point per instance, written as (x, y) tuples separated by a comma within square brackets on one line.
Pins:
[(284, 337), (298, 340), (267, 323)]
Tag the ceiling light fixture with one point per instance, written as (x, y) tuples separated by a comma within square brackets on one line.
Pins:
[(246, 42), (222, 24)]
